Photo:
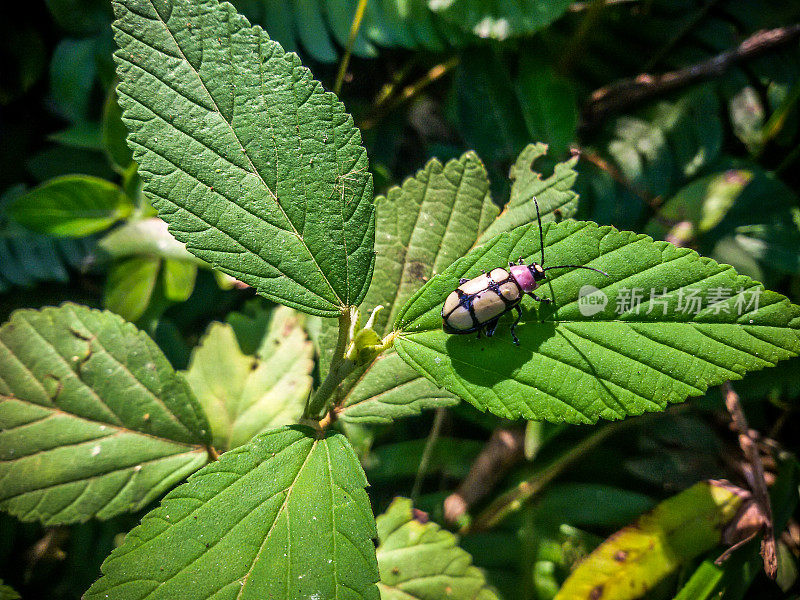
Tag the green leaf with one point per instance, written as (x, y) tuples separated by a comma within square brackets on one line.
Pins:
[(556, 199), (389, 390), (93, 419), (73, 69), (635, 559), (500, 19), (433, 219), (83, 134), (72, 206), (253, 165), (8, 593), (178, 279), (244, 395), (419, 560), (148, 237), (114, 132), (283, 517), (487, 110), (549, 102), (422, 227), (610, 352), (130, 286)]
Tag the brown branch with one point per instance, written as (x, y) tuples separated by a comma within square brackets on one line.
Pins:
[(627, 92), (755, 474), (501, 452)]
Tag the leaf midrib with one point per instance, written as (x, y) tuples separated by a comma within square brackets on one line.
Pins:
[(241, 146), (244, 579)]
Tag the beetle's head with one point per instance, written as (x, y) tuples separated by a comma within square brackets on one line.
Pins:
[(537, 271)]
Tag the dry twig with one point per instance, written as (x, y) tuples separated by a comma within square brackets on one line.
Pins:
[(623, 94)]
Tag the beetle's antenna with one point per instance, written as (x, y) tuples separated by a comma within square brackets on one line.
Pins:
[(577, 267), (541, 235)]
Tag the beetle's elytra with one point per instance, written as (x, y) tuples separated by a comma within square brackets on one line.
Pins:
[(477, 304)]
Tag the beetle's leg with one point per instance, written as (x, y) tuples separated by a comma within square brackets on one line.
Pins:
[(490, 326), (462, 281), (514, 325), (544, 300)]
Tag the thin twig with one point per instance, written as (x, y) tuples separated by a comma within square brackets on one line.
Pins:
[(623, 94), (598, 161), (576, 43), (393, 101), (524, 491), (757, 482), (501, 452), (425, 459), (351, 40)]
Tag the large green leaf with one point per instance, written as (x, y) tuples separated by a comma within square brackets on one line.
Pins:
[(244, 395), (607, 351), (422, 227), (72, 206), (420, 560), (253, 165), (93, 420), (283, 517)]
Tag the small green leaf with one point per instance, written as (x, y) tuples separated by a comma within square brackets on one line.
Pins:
[(93, 420), (83, 134), (8, 593), (72, 206), (422, 227), (634, 560), (178, 279), (419, 560), (148, 237), (130, 286), (665, 325), (556, 199), (245, 395), (253, 165), (283, 517)]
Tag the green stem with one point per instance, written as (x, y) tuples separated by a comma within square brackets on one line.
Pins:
[(351, 40), (339, 369), (427, 452), (516, 497)]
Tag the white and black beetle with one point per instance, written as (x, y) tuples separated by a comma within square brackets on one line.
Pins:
[(477, 304)]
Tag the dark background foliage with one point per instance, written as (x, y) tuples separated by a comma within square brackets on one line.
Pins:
[(425, 85)]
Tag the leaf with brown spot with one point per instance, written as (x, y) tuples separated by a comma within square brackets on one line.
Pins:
[(635, 559)]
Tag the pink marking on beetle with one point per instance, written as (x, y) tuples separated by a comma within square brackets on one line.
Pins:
[(524, 277)]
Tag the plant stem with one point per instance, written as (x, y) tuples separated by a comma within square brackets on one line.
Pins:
[(513, 499), (354, 27), (427, 452), (339, 369)]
